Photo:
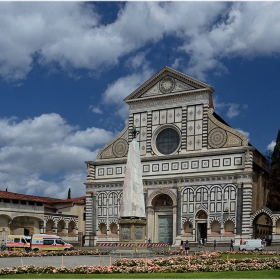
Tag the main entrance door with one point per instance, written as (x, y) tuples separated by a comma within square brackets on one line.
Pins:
[(165, 229)]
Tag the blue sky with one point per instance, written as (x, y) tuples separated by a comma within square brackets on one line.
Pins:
[(65, 68)]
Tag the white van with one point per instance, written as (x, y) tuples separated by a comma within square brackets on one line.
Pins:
[(251, 245)]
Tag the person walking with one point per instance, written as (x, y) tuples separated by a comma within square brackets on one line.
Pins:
[(181, 247), (205, 242), (3, 245), (187, 248), (215, 244), (241, 241), (231, 245), (201, 242)]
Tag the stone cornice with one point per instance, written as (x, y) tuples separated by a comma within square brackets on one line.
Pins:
[(169, 100), (188, 155), (174, 96), (167, 182)]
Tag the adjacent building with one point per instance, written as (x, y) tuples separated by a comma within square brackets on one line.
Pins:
[(28, 214)]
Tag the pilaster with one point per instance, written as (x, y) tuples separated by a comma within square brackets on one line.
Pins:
[(184, 129), (179, 210), (149, 132), (247, 208), (205, 126)]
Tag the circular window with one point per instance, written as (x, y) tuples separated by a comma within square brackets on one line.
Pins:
[(167, 141)]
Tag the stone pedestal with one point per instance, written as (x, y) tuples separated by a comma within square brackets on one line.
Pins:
[(132, 230)]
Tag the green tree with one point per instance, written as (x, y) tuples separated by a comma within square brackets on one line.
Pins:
[(273, 198)]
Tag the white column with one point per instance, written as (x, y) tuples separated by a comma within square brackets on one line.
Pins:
[(151, 224)]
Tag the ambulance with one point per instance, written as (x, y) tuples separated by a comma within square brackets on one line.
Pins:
[(49, 242), (18, 242)]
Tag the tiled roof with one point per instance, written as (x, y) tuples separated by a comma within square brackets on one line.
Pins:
[(48, 200)]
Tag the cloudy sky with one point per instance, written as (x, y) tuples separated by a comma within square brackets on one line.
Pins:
[(65, 68)]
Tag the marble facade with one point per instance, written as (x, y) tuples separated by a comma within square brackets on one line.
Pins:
[(201, 177)]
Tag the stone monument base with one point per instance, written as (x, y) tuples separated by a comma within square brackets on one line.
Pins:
[(132, 230)]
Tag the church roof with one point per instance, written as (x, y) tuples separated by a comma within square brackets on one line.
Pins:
[(48, 200)]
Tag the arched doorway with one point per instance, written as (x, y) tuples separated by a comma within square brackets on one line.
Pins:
[(201, 225), (163, 205), (262, 226)]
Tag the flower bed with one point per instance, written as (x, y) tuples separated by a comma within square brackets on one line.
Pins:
[(22, 253), (178, 253), (207, 262), (12, 254)]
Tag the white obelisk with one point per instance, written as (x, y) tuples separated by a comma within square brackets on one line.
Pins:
[(133, 204)]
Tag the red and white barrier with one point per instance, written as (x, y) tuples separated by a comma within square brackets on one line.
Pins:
[(125, 245), (131, 244), (105, 244)]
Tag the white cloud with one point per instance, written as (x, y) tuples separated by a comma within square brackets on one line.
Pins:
[(71, 34), (233, 110), (122, 87), (95, 110), (41, 155), (271, 146)]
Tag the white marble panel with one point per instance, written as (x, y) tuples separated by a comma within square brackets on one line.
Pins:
[(142, 146), (144, 119), (162, 116), (178, 115), (190, 128), (155, 119), (199, 112), (198, 142), (170, 116), (137, 120), (198, 127), (191, 113), (190, 143), (143, 133)]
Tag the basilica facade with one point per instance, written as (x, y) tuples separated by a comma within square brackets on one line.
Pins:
[(202, 179)]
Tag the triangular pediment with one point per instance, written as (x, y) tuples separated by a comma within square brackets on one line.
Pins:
[(168, 82)]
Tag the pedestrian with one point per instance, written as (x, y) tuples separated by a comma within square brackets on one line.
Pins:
[(264, 241), (3, 245), (215, 244), (231, 245), (181, 247), (241, 241), (187, 248), (205, 242), (201, 242), (149, 242)]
